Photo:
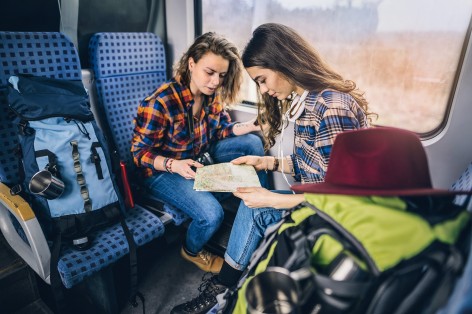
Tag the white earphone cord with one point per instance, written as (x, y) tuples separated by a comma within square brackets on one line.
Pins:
[(280, 150)]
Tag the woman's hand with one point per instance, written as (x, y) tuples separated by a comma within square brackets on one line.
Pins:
[(259, 163), (258, 197), (184, 167), (255, 197)]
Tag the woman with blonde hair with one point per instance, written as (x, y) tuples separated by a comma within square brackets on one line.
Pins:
[(184, 125)]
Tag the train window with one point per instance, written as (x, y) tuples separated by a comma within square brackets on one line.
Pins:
[(404, 54)]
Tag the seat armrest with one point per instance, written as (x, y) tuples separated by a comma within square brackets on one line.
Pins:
[(155, 206), (36, 252)]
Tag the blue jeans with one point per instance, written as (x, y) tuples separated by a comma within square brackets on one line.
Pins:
[(248, 231), (203, 207)]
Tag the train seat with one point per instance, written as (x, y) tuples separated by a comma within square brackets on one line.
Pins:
[(464, 183), (459, 300), (52, 55), (128, 67)]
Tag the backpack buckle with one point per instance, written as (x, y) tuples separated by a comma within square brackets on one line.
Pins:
[(52, 168), (81, 243), (24, 129), (95, 158), (16, 189)]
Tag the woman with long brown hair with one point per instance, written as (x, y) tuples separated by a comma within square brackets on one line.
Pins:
[(295, 85)]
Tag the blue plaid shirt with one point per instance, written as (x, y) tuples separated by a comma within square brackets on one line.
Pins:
[(327, 114)]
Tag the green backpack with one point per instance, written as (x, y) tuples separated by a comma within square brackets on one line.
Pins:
[(405, 252)]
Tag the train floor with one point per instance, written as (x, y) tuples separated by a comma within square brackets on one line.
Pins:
[(168, 280)]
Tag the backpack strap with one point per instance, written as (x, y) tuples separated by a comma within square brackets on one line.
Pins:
[(18, 189), (133, 260), (56, 282), (80, 176), (356, 244), (65, 225), (270, 236), (24, 129), (52, 161), (440, 268), (95, 158)]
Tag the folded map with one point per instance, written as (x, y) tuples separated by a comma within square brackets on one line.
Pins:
[(225, 177)]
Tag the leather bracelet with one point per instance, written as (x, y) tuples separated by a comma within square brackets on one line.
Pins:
[(164, 163), (169, 165), (276, 164)]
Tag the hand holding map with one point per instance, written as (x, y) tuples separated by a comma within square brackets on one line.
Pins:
[(225, 177)]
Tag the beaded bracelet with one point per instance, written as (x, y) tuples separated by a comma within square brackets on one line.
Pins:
[(164, 164), (169, 165)]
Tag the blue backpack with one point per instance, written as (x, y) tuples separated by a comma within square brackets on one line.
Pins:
[(66, 171), (64, 156)]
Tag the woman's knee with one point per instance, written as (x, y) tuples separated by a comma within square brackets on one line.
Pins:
[(258, 218), (211, 216), (245, 213), (253, 145), (265, 217)]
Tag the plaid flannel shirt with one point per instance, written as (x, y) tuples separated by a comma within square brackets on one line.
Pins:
[(161, 128), (327, 114)]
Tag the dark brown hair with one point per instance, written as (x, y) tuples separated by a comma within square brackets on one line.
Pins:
[(279, 48)]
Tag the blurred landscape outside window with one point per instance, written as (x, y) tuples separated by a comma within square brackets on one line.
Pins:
[(404, 54)]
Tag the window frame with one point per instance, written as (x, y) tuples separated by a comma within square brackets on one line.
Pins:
[(423, 135)]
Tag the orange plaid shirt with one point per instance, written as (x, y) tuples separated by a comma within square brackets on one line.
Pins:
[(161, 128)]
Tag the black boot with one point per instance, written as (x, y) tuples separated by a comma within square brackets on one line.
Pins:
[(209, 289)]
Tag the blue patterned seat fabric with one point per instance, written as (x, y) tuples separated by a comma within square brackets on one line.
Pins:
[(108, 246), (54, 55), (127, 68), (464, 183), (459, 300), (42, 54)]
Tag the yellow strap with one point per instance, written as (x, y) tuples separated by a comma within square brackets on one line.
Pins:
[(16, 203)]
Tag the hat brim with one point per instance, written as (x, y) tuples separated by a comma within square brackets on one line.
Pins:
[(328, 188)]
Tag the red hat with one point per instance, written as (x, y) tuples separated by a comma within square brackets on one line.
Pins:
[(379, 161)]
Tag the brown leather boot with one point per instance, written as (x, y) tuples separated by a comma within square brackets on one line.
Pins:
[(205, 260)]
